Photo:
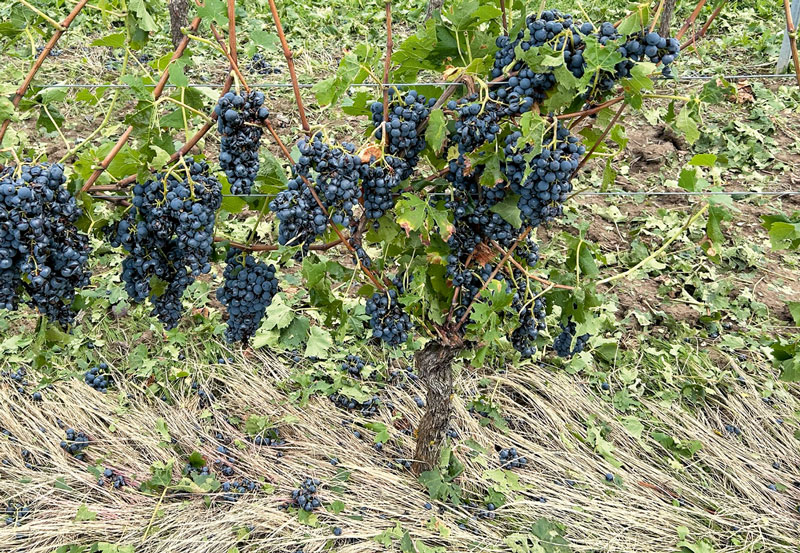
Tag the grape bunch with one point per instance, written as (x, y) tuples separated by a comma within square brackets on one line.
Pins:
[(75, 443), (43, 256), (269, 437), (353, 365), (239, 117), (249, 288), (96, 379), (477, 123), (525, 87), (334, 172), (14, 513), (367, 408), (19, 377), (544, 182), (116, 479), (378, 180), (531, 322), (406, 113), (510, 458), (232, 490), (169, 233), (259, 64), (387, 319), (301, 219), (361, 254), (305, 497), (653, 47), (563, 342)]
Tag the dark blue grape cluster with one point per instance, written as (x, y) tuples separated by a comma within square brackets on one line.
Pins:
[(97, 379), (239, 120), (301, 218), (14, 513), (269, 438), (225, 465), (545, 182), (525, 88), (259, 64), (334, 171), (305, 497), (361, 254), (193, 472), (116, 479), (168, 233), (231, 491), (249, 288), (75, 443), (531, 316), (563, 342), (406, 113), (653, 47), (510, 458), (43, 256), (367, 408), (353, 365), (388, 320), (477, 123), (19, 377), (378, 181)]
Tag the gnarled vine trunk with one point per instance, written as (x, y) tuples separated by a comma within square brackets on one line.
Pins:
[(178, 17), (666, 17), (433, 6), (435, 367)]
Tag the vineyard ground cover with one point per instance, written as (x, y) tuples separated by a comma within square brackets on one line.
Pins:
[(678, 400)]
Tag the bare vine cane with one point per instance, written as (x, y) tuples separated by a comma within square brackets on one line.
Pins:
[(157, 91), (689, 22), (701, 33), (287, 53), (23, 88)]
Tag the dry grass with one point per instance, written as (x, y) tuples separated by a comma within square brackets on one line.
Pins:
[(723, 489)]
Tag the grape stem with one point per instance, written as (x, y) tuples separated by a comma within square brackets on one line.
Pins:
[(659, 251), (656, 15), (700, 34), (527, 274), (231, 58), (599, 141)]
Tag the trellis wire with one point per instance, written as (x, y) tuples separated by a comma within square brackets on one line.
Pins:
[(611, 193), (777, 76)]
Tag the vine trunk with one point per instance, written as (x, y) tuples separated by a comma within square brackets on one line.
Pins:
[(435, 368)]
